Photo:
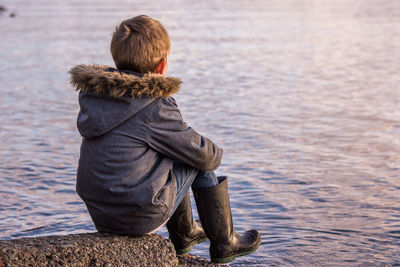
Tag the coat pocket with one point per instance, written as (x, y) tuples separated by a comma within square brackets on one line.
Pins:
[(160, 193)]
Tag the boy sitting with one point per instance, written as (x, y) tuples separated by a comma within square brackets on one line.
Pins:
[(138, 157)]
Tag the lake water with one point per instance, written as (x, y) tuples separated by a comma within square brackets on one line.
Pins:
[(303, 96)]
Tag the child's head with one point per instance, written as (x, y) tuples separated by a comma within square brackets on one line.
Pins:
[(139, 44)]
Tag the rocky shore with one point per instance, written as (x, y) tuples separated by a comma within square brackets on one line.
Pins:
[(94, 249)]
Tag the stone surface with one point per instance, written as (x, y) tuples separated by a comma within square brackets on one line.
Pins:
[(94, 249), (191, 260)]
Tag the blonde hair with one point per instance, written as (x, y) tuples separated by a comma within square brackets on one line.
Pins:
[(138, 44)]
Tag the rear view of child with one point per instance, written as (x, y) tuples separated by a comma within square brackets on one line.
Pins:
[(139, 158)]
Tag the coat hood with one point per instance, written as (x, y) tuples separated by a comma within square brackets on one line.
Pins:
[(108, 97)]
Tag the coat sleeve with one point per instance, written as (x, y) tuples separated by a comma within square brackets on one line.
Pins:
[(171, 136)]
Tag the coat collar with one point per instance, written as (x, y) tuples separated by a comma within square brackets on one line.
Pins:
[(100, 79)]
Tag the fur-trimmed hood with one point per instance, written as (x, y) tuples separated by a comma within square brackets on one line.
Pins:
[(108, 97), (100, 79)]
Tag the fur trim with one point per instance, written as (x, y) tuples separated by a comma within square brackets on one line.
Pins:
[(94, 78)]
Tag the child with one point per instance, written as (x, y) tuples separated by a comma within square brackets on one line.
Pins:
[(138, 157)]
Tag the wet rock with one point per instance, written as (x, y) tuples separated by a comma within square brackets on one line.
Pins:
[(12, 15), (2, 9), (94, 249), (191, 260)]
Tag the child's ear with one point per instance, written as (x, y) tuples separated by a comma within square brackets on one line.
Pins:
[(162, 67)]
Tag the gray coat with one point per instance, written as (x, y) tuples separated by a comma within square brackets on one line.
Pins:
[(132, 132)]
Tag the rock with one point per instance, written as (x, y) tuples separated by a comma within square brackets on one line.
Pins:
[(13, 15), (191, 260), (2, 9), (94, 250)]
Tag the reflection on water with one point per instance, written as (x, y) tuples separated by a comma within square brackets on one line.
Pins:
[(302, 95)]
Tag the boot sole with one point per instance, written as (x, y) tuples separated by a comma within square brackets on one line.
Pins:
[(190, 247), (233, 257)]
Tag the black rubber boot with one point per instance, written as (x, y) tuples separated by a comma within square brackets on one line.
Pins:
[(183, 231), (216, 218)]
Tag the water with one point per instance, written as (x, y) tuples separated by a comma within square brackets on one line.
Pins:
[(302, 95)]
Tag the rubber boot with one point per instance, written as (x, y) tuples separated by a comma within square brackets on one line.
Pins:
[(183, 231), (216, 218)]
